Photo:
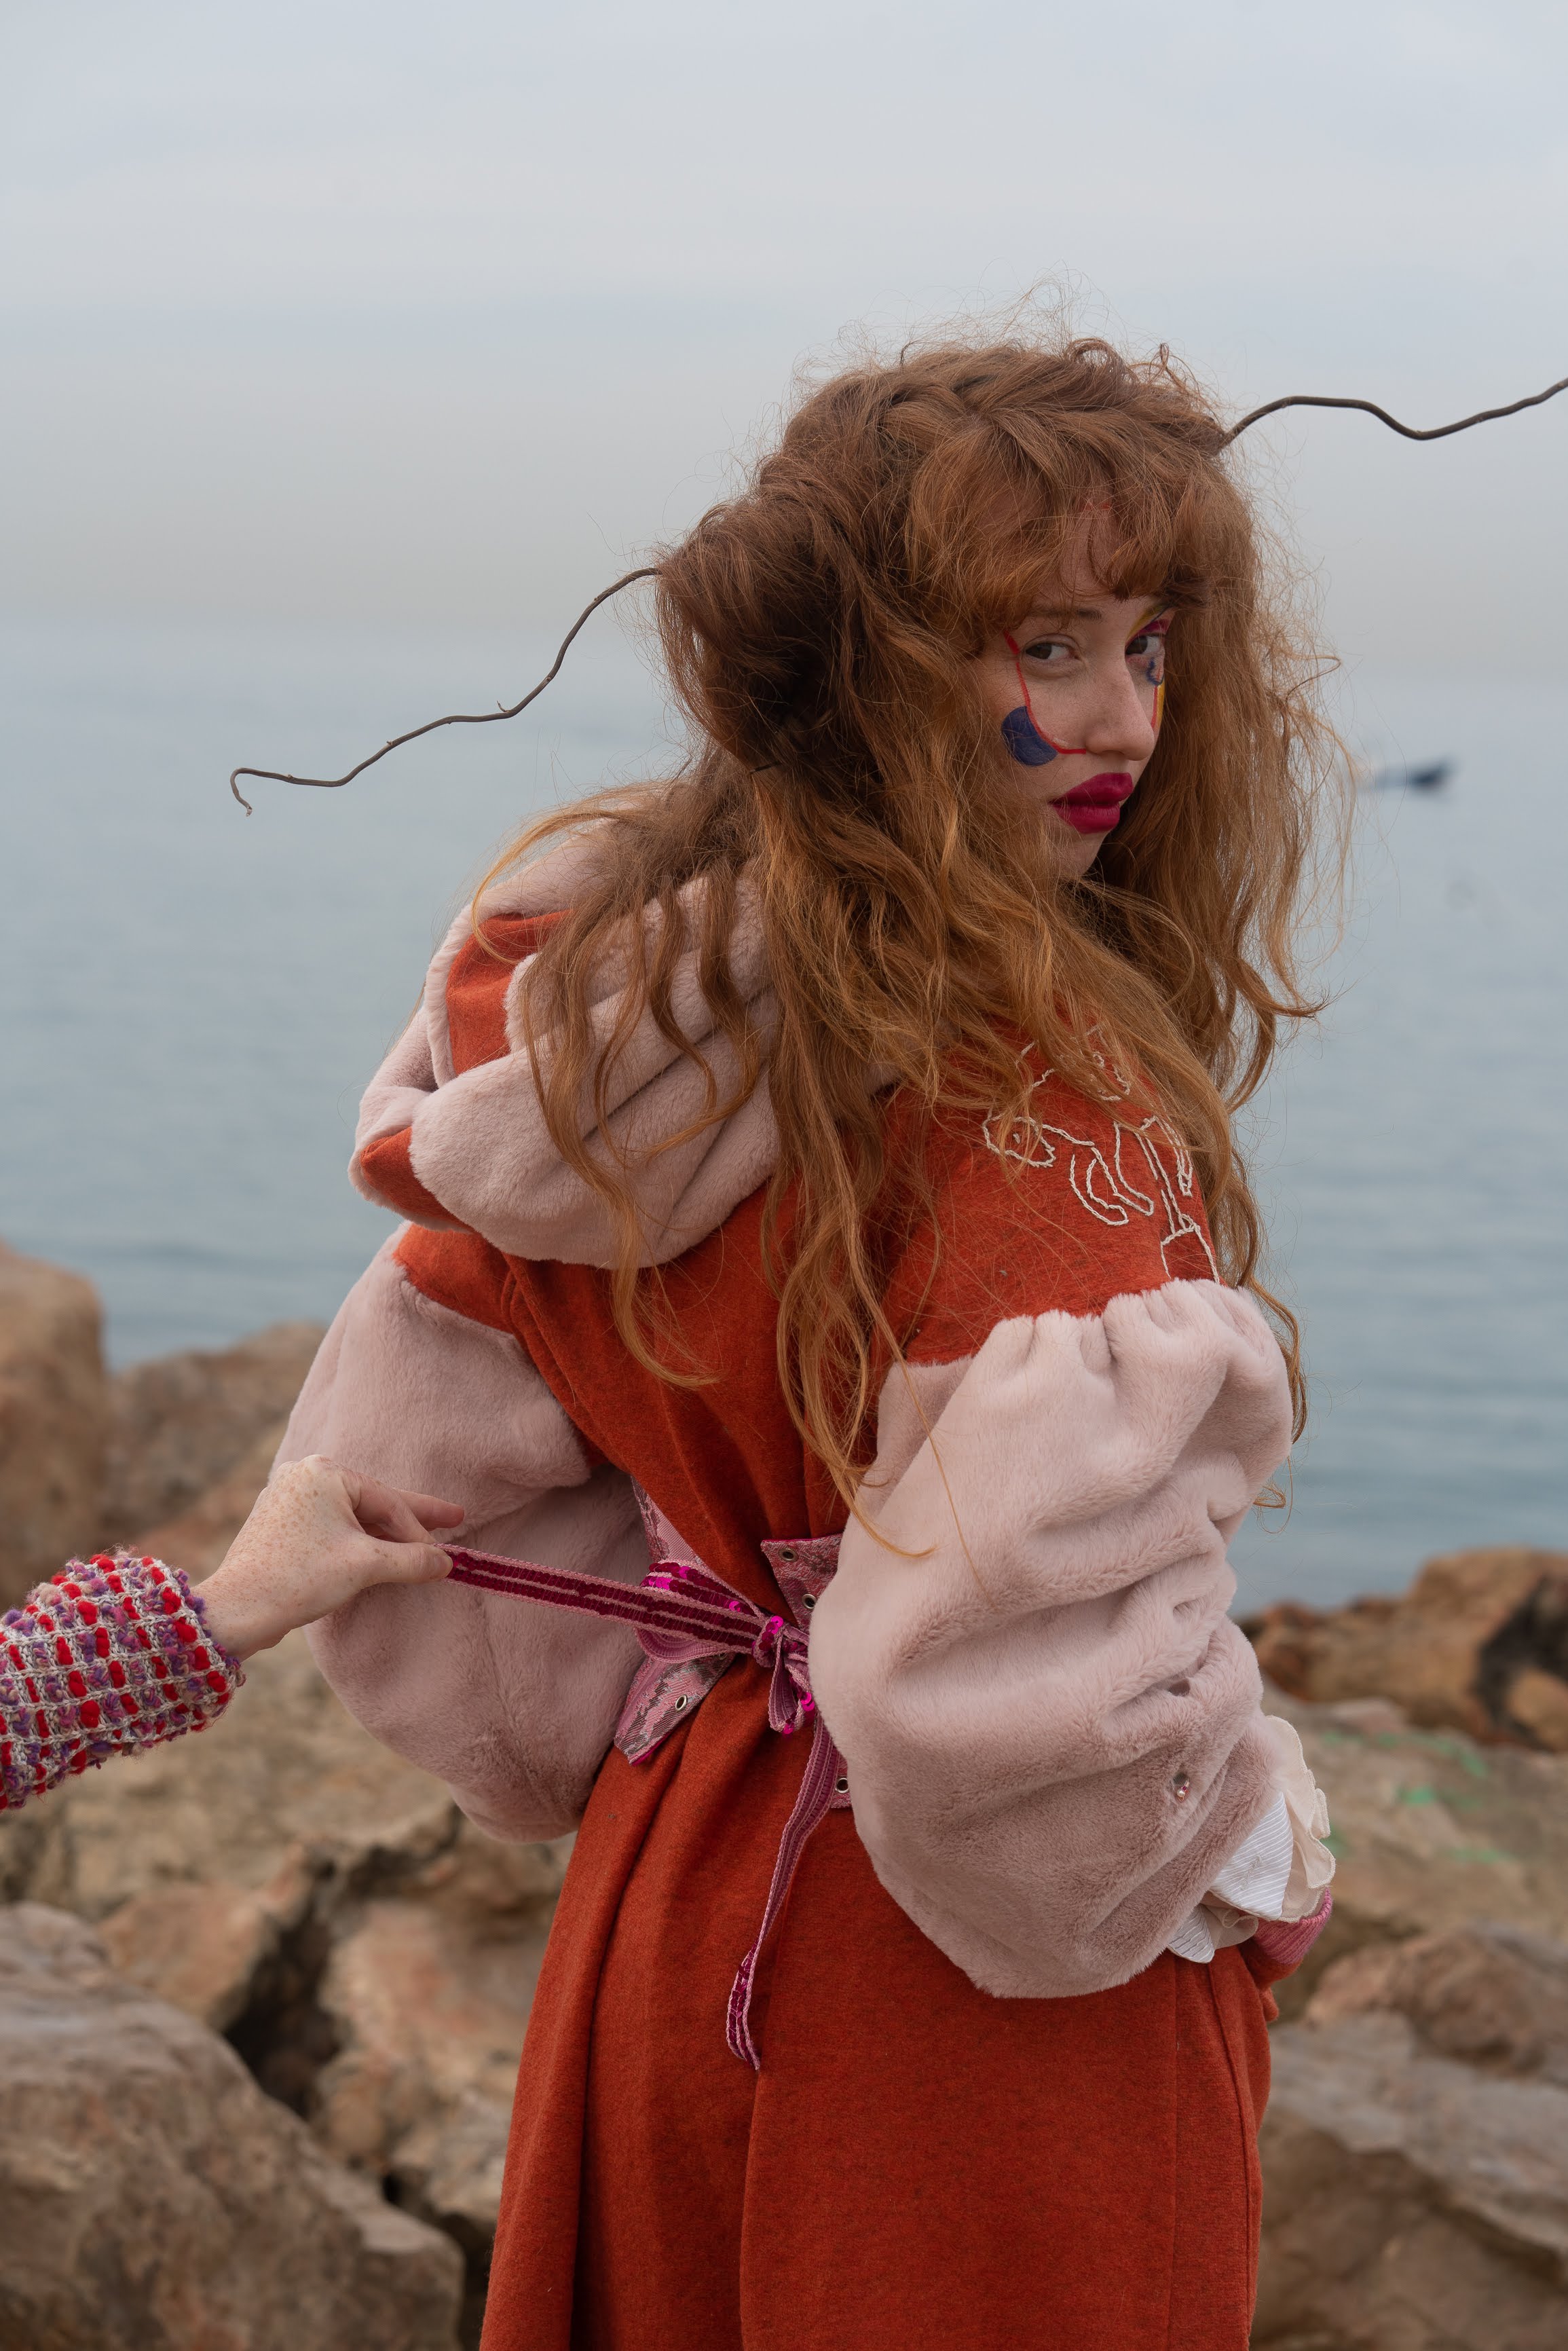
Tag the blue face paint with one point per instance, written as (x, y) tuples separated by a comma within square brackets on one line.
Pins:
[(1025, 741)]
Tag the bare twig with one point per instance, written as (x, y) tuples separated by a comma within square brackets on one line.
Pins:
[(461, 718), (1411, 431), (486, 717)]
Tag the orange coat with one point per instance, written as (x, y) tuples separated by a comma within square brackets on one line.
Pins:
[(917, 2164)]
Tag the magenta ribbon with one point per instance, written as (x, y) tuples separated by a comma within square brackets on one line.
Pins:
[(680, 1611)]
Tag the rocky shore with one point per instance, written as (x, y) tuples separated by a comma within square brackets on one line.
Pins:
[(262, 1992)]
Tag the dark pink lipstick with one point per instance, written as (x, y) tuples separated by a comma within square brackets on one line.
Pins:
[(1096, 806)]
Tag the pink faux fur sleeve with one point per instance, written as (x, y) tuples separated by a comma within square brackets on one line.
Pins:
[(478, 1140), (1052, 1730), (512, 1704)]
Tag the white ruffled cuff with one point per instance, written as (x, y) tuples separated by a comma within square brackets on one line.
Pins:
[(1280, 1869)]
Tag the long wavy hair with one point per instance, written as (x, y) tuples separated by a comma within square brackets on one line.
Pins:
[(818, 630)]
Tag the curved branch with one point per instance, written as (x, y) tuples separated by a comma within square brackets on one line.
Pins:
[(460, 718), (1410, 432), (650, 570)]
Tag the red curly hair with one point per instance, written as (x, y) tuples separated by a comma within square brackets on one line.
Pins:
[(819, 629)]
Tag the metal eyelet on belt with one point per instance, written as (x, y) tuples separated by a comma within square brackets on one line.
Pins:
[(809, 1599), (842, 1787), (679, 1703)]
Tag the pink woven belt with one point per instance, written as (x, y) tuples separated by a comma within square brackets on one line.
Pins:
[(693, 1627)]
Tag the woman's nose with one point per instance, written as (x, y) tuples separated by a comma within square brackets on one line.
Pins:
[(1119, 723)]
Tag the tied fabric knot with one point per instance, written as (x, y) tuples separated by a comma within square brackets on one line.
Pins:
[(692, 1626), (691, 1635), (780, 1650)]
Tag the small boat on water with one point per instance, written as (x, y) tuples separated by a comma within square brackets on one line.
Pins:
[(1399, 777)]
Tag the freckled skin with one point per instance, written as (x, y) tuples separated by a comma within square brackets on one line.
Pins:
[(318, 1537), (1077, 690)]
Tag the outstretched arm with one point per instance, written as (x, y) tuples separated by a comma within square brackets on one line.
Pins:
[(319, 1536), (119, 1653)]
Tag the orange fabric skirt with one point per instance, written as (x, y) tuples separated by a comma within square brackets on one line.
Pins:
[(916, 2167)]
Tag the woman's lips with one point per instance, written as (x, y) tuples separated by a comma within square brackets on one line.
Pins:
[(1094, 805)]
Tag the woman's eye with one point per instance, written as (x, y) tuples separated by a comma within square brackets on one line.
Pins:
[(1053, 650), (1147, 652)]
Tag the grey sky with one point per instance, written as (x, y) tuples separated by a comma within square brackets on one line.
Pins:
[(408, 311)]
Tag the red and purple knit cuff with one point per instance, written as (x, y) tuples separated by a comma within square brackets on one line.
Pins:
[(113, 1655)]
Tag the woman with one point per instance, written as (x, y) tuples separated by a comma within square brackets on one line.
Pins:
[(826, 1155)]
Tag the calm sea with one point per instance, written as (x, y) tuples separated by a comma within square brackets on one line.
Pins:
[(194, 1000)]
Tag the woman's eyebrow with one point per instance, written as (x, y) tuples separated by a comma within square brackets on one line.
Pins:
[(1055, 615)]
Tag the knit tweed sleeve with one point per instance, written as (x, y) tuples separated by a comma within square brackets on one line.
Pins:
[(112, 1656)]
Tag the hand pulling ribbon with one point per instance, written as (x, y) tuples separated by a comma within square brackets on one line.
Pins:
[(682, 1614)]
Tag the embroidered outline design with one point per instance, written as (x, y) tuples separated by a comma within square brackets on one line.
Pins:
[(1099, 1179)]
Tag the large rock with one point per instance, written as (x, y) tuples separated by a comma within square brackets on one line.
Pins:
[(221, 1865), (280, 1878), (183, 1422), (285, 1785), (1493, 1996), (176, 1449), (156, 2200), (284, 1879), (54, 1412), (428, 1990), (208, 1950), (1479, 1643), (448, 2170), (197, 1539), (1430, 1829), (1415, 2153)]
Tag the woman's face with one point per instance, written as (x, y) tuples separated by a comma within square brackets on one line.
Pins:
[(1076, 688)]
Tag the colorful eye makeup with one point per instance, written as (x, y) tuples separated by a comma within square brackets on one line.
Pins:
[(1146, 650), (1026, 739)]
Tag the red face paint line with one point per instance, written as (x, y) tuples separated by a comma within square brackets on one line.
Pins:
[(1057, 750), (1050, 748)]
